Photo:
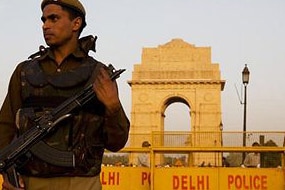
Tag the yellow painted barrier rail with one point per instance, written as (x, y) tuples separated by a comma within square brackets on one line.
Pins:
[(218, 178)]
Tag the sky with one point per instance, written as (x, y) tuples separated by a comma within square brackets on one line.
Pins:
[(239, 32)]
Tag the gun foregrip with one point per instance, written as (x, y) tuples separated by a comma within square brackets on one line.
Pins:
[(13, 176)]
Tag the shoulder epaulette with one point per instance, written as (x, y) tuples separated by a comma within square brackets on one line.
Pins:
[(42, 51), (88, 43)]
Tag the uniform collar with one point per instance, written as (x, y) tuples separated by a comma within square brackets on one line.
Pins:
[(85, 44), (78, 53)]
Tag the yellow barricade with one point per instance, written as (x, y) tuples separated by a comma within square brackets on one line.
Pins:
[(218, 178), (125, 178), (180, 178)]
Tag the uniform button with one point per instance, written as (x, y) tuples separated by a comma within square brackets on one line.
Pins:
[(58, 70)]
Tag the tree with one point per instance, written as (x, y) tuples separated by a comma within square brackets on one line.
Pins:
[(271, 159)]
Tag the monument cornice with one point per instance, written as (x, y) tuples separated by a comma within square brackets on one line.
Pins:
[(177, 82)]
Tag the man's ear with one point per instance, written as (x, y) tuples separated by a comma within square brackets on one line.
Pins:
[(77, 23)]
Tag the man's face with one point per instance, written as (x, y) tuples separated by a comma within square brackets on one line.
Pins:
[(57, 27)]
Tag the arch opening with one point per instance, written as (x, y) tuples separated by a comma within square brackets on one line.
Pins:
[(177, 115)]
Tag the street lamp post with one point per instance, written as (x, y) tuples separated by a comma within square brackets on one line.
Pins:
[(245, 80), (221, 130)]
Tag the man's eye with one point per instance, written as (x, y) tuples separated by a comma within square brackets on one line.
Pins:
[(54, 18), (43, 19)]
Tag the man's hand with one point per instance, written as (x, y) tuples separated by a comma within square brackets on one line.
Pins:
[(107, 91), (8, 186)]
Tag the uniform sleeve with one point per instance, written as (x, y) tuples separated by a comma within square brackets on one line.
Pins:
[(116, 129), (9, 109)]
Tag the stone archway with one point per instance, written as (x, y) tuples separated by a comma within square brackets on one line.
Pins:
[(176, 118), (176, 71)]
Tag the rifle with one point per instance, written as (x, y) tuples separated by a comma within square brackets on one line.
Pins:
[(13, 155)]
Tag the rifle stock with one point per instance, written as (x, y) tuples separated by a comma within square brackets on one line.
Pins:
[(12, 156)]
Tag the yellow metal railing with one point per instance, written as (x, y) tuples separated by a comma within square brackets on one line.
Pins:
[(210, 146), (198, 139)]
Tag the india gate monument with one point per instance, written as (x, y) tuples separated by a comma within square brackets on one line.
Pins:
[(177, 72)]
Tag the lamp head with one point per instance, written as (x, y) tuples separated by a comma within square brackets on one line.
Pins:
[(245, 75)]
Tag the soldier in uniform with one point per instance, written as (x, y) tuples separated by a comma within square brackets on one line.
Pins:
[(45, 80), (144, 158), (252, 159)]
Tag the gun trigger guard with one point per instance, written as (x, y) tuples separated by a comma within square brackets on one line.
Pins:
[(61, 119)]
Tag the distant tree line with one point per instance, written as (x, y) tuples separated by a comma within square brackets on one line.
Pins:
[(267, 159)]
